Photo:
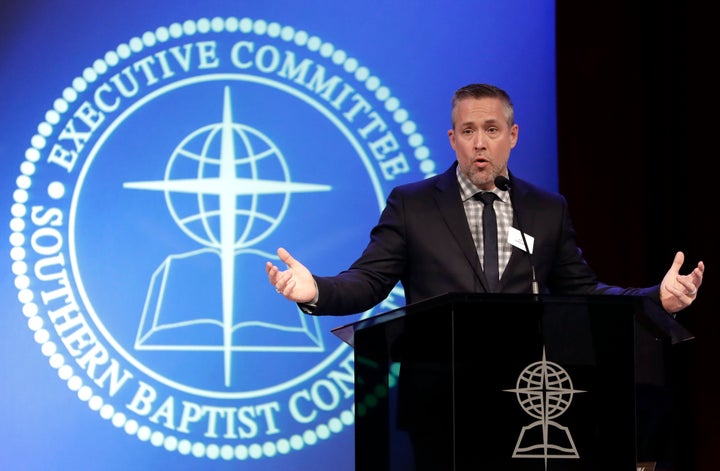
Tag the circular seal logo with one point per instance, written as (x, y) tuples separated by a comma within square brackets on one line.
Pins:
[(150, 198)]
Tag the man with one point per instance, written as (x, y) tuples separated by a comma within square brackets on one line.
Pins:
[(429, 236)]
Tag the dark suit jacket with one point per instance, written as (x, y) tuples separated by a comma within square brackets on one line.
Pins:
[(423, 240)]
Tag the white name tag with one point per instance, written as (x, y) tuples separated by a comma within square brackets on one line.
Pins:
[(516, 240)]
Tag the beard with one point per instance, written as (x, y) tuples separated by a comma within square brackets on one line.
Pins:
[(483, 179)]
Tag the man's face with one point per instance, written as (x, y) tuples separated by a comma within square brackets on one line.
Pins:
[(482, 140)]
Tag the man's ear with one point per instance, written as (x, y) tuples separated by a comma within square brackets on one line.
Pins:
[(514, 134)]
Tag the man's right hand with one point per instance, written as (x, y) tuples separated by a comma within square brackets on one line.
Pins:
[(296, 283)]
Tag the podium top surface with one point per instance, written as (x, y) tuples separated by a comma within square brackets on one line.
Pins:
[(662, 322)]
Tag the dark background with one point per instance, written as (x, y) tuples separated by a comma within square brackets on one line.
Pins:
[(636, 124)]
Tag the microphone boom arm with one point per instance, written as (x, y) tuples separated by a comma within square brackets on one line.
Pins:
[(502, 183)]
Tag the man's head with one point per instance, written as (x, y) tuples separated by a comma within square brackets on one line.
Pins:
[(483, 132)]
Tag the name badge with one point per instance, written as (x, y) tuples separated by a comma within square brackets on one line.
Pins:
[(516, 240)]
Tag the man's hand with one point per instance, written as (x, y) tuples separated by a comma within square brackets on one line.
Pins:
[(295, 283), (679, 291)]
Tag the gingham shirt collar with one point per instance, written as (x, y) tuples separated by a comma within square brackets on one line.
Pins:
[(468, 190)]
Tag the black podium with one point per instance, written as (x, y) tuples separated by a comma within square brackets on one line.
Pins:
[(504, 382)]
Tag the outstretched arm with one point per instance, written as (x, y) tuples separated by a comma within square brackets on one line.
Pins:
[(679, 291), (296, 283)]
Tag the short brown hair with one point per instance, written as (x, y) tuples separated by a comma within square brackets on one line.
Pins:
[(483, 90)]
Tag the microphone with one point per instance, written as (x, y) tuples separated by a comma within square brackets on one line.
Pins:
[(503, 184)]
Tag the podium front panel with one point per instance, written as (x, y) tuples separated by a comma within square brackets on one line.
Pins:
[(498, 382)]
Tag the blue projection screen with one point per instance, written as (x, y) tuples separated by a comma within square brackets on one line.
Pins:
[(156, 154)]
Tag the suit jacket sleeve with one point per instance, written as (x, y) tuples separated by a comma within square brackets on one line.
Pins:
[(374, 274), (562, 268)]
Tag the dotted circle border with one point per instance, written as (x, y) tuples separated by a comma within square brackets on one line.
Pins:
[(19, 212)]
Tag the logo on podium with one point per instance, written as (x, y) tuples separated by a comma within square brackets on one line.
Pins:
[(545, 391)]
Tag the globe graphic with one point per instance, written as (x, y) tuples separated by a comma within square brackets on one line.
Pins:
[(544, 390), (221, 175)]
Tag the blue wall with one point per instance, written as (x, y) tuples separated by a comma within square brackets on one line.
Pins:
[(155, 154)]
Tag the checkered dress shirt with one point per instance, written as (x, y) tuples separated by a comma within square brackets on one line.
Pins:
[(473, 211)]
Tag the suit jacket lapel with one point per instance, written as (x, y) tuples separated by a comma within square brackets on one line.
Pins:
[(453, 213), (521, 209)]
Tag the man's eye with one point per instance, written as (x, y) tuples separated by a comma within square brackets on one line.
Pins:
[(491, 130), (468, 131)]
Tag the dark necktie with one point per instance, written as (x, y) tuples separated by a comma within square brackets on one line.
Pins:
[(490, 240)]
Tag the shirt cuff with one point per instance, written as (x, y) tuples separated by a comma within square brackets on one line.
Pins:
[(309, 308)]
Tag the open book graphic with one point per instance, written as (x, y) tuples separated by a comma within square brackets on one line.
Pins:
[(187, 310)]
